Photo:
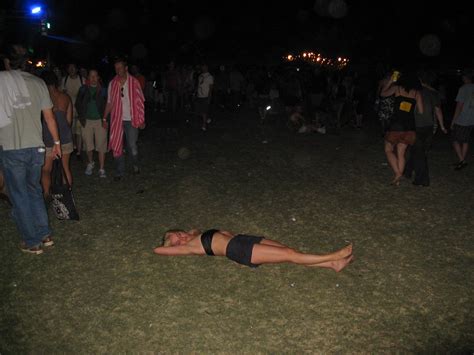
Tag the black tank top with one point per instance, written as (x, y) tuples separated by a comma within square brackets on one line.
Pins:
[(403, 118), (206, 241)]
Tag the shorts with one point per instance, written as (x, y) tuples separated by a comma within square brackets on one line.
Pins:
[(94, 136), (240, 249), (405, 137), (67, 148), (461, 134), (202, 105)]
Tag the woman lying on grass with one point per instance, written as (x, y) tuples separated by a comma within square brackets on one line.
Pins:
[(246, 249)]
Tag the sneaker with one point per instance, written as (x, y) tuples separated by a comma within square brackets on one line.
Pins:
[(208, 121), (136, 170), (48, 242), (203, 128), (117, 178), (89, 168), (33, 250), (102, 173)]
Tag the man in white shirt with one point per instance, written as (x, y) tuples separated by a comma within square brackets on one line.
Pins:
[(71, 84), (204, 95)]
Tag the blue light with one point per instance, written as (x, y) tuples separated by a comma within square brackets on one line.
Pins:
[(35, 10)]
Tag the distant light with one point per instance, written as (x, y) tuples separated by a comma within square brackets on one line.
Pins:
[(290, 57), (268, 108), (35, 10), (339, 59), (297, 69), (48, 25)]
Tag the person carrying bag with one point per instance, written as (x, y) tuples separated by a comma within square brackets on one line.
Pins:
[(62, 199)]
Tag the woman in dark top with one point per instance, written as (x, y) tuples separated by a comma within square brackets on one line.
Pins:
[(401, 128), (62, 108), (247, 250)]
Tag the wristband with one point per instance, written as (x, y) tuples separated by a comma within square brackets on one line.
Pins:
[(57, 142)]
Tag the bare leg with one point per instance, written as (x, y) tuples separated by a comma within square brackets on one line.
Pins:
[(67, 168), (268, 254), (101, 160), (401, 149), (464, 148), (336, 265), (46, 175), (273, 243), (392, 159), (90, 156), (457, 149)]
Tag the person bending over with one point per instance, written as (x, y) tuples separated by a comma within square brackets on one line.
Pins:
[(247, 250)]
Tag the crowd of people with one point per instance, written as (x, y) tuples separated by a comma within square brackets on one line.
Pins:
[(53, 116)]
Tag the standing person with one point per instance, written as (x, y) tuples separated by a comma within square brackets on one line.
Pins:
[(135, 71), (401, 129), (126, 106), (71, 84), (172, 83), (463, 120), (204, 95), (91, 101), (236, 84), (23, 151), (424, 123), (62, 109)]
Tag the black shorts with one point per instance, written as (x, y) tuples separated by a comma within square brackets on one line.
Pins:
[(240, 249), (201, 105), (461, 134)]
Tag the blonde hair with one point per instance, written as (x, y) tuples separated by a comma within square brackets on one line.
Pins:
[(166, 237)]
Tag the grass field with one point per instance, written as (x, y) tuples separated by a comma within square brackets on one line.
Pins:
[(102, 290)]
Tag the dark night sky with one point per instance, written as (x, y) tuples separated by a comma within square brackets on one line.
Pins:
[(241, 30)]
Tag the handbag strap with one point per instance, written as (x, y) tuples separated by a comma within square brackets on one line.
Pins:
[(58, 174)]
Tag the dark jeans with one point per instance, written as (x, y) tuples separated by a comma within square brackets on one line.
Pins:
[(418, 160), (22, 172), (131, 136)]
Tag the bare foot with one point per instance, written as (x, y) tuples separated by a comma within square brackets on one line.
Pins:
[(342, 263), (344, 252), (396, 180), (336, 265)]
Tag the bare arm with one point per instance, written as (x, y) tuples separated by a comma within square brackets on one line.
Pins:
[(48, 116), (457, 112), (178, 250), (419, 102), (439, 117), (107, 110), (388, 89), (69, 111)]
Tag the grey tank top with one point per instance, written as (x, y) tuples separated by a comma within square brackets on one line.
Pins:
[(65, 134)]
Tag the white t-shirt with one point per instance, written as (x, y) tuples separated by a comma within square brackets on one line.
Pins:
[(466, 96), (125, 97), (205, 81)]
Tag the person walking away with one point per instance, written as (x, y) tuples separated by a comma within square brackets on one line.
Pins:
[(424, 122), (463, 120), (204, 95), (401, 130), (70, 85), (90, 103), (126, 106), (23, 98), (62, 109)]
